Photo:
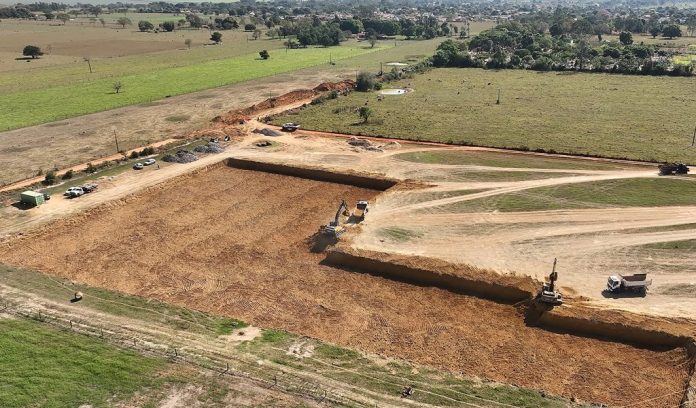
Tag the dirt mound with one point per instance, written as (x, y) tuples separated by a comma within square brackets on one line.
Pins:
[(182, 156), (210, 147), (346, 85), (267, 132)]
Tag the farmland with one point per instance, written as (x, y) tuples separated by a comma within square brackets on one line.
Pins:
[(561, 112)]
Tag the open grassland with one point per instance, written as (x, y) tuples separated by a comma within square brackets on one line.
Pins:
[(596, 114), (509, 160), (639, 192), (44, 367), (62, 101)]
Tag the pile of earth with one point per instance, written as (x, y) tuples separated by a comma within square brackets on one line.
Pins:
[(361, 143), (210, 147), (182, 156), (267, 132)]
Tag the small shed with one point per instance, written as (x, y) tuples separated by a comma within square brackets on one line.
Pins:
[(32, 198)]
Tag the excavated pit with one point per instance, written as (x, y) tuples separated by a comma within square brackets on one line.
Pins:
[(232, 239)]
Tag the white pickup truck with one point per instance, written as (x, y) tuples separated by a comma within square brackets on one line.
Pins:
[(637, 283)]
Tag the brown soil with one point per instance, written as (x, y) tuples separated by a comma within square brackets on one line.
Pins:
[(234, 242)]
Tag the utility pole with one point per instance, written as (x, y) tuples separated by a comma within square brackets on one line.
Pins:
[(693, 140), (115, 138), (498, 101)]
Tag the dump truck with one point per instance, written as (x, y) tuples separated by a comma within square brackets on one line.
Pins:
[(548, 293), (636, 283), (361, 209), (668, 169)]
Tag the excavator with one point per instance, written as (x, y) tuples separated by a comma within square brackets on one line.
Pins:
[(548, 293), (334, 228)]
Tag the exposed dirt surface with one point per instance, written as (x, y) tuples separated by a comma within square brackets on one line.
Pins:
[(234, 242)]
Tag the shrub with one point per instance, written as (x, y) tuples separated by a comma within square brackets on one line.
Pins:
[(333, 94), (90, 168), (264, 54), (365, 82), (68, 175), (134, 155), (50, 177)]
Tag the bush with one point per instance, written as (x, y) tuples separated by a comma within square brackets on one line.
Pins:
[(378, 86), (249, 27), (68, 175), (333, 94), (264, 54), (365, 82), (90, 168), (50, 177), (134, 155)]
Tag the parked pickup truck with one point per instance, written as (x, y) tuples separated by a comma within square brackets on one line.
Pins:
[(637, 283)]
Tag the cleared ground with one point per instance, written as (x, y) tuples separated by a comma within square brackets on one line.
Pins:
[(235, 242), (597, 114)]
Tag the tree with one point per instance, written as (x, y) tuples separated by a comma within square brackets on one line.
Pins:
[(626, 38), (216, 37), (145, 26), (257, 34), (124, 21), (32, 51), (373, 41), (64, 18), (264, 54), (249, 27), (365, 112), (168, 26), (187, 43), (88, 60), (365, 82), (672, 31), (194, 20), (50, 177), (103, 22), (654, 31), (49, 15), (117, 86), (95, 10)]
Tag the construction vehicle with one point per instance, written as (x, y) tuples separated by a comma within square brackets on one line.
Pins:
[(361, 209), (334, 228), (548, 293), (636, 283), (668, 169), (289, 127)]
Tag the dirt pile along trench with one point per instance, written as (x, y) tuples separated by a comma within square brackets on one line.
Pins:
[(234, 242)]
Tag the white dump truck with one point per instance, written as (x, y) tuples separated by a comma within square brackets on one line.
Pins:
[(637, 283)]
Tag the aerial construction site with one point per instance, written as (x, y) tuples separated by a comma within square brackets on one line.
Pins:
[(372, 245)]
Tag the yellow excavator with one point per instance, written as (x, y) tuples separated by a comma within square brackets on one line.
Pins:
[(334, 228)]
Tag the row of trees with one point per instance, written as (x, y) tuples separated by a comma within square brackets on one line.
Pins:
[(516, 45)]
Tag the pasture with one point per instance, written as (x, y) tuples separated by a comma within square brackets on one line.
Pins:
[(574, 113)]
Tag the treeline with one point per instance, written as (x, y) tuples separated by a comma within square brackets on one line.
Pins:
[(518, 46)]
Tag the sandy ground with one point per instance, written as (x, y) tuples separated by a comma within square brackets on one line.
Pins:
[(235, 242), (87, 137)]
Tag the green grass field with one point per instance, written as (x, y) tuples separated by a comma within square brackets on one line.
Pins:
[(509, 160), (639, 192), (575, 113), (24, 108), (45, 367)]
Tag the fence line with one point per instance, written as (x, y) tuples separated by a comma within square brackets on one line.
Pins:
[(278, 379)]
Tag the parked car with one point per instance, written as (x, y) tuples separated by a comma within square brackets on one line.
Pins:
[(149, 162), (138, 166), (73, 192), (46, 196), (88, 188)]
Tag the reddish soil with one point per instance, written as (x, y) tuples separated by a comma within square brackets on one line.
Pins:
[(234, 242)]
